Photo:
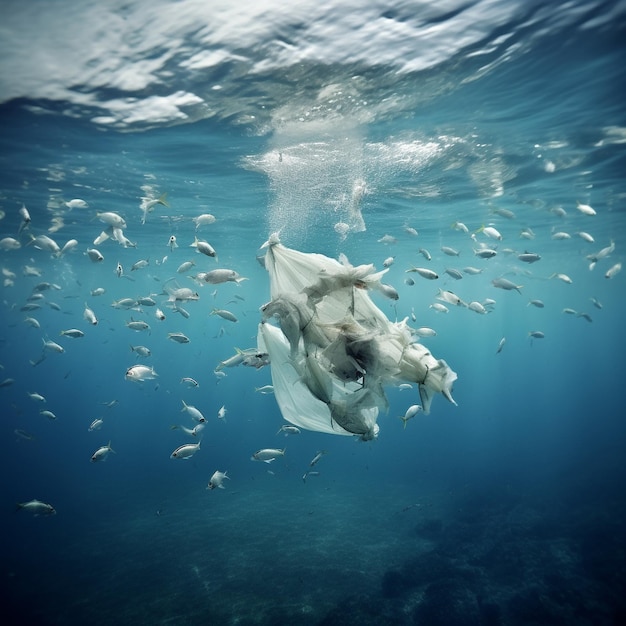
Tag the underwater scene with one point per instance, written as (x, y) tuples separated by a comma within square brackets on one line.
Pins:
[(313, 312)]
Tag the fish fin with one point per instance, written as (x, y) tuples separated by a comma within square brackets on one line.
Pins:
[(163, 200)]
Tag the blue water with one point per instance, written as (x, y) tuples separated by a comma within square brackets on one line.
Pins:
[(504, 510)]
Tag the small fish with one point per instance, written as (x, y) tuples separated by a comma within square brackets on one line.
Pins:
[(52, 346), (411, 412), (31, 321), (25, 215), (96, 424), (7, 382), (185, 267), (450, 298), (424, 273), (221, 414), (424, 331), (139, 264), (561, 236), (159, 315), (9, 243), (48, 415), (141, 350), (193, 412), (76, 203), (22, 434), (586, 236), (440, 308), (72, 332), (501, 345), (224, 314), (387, 239), (527, 233), (472, 271), (388, 262), (529, 257), (69, 245), (98, 291), (138, 325), (90, 316), (477, 307), (460, 226), (596, 303), (102, 453), (178, 337), (569, 311), (536, 334), (507, 285), (119, 270), (36, 508), (203, 220), (95, 255), (204, 247), (485, 253), (217, 480), (266, 389), (309, 473), (317, 457), (288, 430), (190, 382), (491, 232), (450, 251), (425, 254), (267, 455), (140, 373), (614, 270), (538, 303), (563, 277), (172, 243), (585, 209), (454, 273), (186, 451), (112, 219)]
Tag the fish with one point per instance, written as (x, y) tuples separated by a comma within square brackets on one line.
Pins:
[(138, 325), (159, 315), (506, 284), (186, 451), (172, 243), (569, 311), (190, 382), (31, 321), (563, 277), (491, 232), (585, 209), (388, 262), (52, 346), (477, 307), (529, 257), (224, 314), (96, 424), (217, 480), (178, 337), (450, 251), (48, 414), (424, 331), (440, 308), (69, 245), (139, 264), (95, 255), (411, 412), (560, 236), (527, 233), (36, 507), (507, 213), (596, 303), (141, 350), (203, 247), (72, 332), (454, 273), (219, 276), (450, 298), (425, 253), (25, 215), (536, 334), (193, 412), (309, 473), (112, 219), (98, 291), (102, 453), (460, 226), (119, 270), (538, 303), (185, 267), (43, 242), (424, 273), (221, 414), (266, 389), (140, 373), (9, 243), (76, 203), (267, 455), (203, 220), (22, 434), (288, 430), (614, 270), (7, 382), (90, 316), (485, 253), (386, 239), (472, 271), (146, 301), (317, 457), (586, 236), (501, 345)]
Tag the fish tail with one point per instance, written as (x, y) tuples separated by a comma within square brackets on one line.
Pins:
[(163, 200)]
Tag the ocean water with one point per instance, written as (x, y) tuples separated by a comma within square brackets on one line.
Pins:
[(366, 129)]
